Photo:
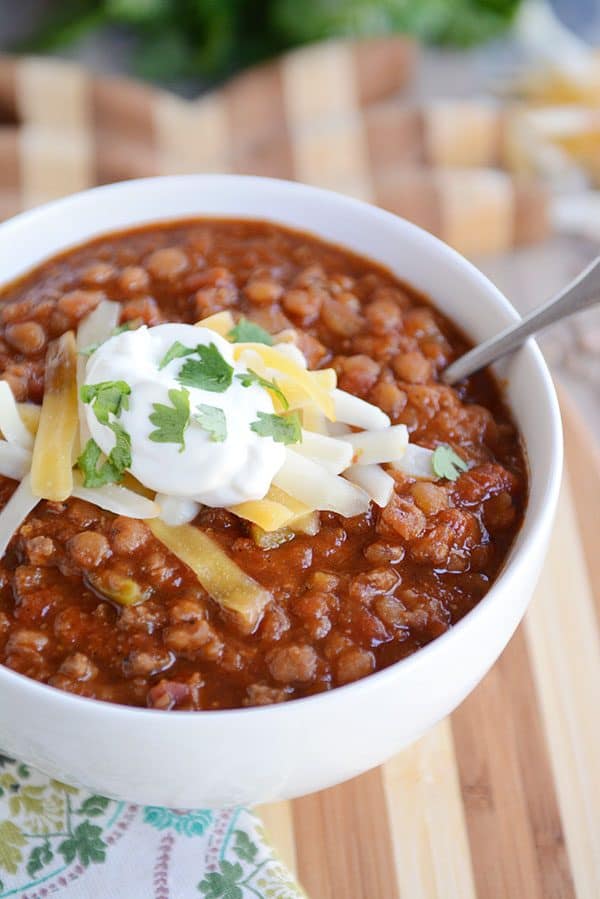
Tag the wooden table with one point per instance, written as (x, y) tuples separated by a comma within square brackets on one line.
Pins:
[(502, 799)]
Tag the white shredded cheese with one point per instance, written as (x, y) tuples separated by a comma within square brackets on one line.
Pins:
[(11, 424), (318, 488), (334, 455), (374, 447), (14, 513), (15, 461), (356, 412), (116, 499), (94, 329), (416, 463), (175, 510), (376, 482)]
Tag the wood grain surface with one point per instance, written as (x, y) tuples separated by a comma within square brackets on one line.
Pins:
[(502, 800)]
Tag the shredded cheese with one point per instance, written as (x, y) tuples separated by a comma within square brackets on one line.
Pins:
[(30, 414), (94, 329), (15, 461), (373, 447), (14, 513), (318, 488), (11, 424), (234, 590), (221, 322), (52, 462), (353, 411), (275, 511), (333, 454), (116, 499), (376, 482), (310, 381), (416, 463)]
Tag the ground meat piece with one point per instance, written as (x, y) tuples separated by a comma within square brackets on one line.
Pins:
[(357, 374), (143, 617), (209, 300), (134, 279), (420, 321), (313, 610), (186, 610), (388, 397), (391, 610), (82, 514), (429, 497), (383, 316), (401, 516), (274, 624), (98, 273), (314, 351), (188, 637), (341, 319), (263, 291), (145, 664), (353, 664), (143, 308), (166, 695), (262, 694), (324, 580), (303, 305), (17, 378), (499, 512), (127, 535), (370, 583), (27, 641), (78, 667), (454, 529), (379, 553), (412, 367), (482, 482), (293, 664), (26, 337), (78, 303), (167, 263), (40, 550), (88, 549)]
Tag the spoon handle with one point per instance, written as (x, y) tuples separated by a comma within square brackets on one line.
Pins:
[(581, 293)]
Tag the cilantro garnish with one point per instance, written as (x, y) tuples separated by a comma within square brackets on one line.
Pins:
[(251, 377), (92, 347), (171, 421), (112, 469), (106, 398), (212, 420), (247, 332), (447, 464), (209, 372), (282, 428), (176, 351)]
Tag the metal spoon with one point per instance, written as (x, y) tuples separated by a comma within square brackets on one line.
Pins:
[(581, 293)]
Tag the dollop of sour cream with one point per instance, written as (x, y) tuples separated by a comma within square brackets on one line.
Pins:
[(239, 468)]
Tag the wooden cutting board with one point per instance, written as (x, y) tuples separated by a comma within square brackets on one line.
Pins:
[(502, 799)]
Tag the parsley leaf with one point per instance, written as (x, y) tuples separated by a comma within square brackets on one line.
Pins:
[(176, 351), (209, 372), (251, 377), (126, 326), (106, 397), (211, 419), (247, 332), (171, 421), (111, 471), (282, 428), (447, 464)]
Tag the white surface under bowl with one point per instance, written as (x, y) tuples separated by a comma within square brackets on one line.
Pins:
[(191, 759)]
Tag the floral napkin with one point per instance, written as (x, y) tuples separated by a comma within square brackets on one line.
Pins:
[(59, 840)]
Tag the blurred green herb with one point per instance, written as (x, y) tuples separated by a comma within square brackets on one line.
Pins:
[(177, 39)]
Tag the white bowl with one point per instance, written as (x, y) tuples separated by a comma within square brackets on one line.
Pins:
[(191, 759)]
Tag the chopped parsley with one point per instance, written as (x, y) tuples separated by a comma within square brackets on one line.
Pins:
[(106, 398), (126, 326), (282, 428), (212, 420), (251, 377), (210, 372), (247, 332), (171, 421), (111, 471), (176, 351), (447, 464)]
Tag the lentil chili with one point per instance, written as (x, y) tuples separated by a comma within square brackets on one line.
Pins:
[(361, 594)]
